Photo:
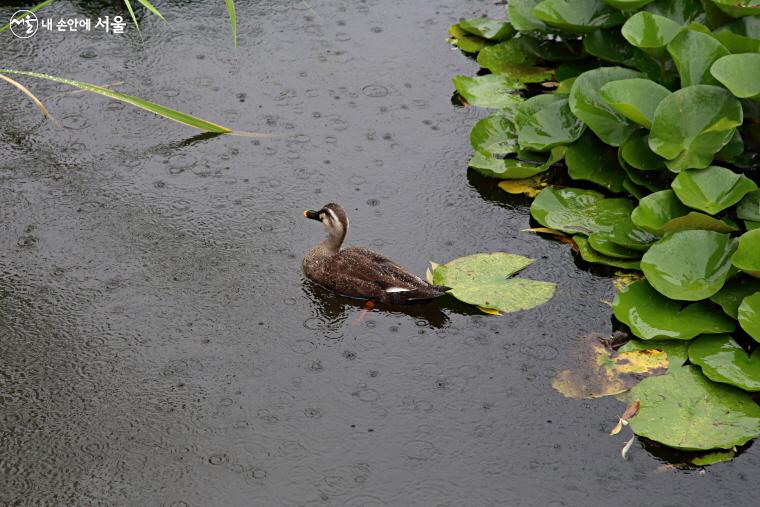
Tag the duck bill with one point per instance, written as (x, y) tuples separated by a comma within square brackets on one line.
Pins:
[(314, 215)]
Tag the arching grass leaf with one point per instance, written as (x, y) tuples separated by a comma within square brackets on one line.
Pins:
[(749, 315), (712, 189), (689, 134), (483, 280), (492, 91), (574, 210), (747, 256), (636, 99), (650, 315), (578, 16), (723, 360), (694, 53), (739, 73), (689, 265), (591, 256), (589, 159), (685, 410), (649, 31), (487, 28), (587, 104)]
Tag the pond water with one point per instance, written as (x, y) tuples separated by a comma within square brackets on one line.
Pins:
[(160, 345)]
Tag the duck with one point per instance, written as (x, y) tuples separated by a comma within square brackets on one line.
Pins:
[(357, 272)]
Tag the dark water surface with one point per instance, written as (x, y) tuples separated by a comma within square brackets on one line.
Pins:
[(159, 343)]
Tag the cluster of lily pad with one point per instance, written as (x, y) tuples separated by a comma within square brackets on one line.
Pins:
[(653, 109)]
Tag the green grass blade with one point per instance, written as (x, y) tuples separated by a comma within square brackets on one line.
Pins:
[(185, 119), (134, 19), (233, 20), (150, 7), (31, 9)]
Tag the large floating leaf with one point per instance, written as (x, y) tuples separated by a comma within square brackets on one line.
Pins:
[(689, 265), (713, 189), (650, 315), (689, 134), (627, 234), (649, 31), (491, 91), (747, 256), (578, 16), (589, 159), (590, 255), (466, 41), (603, 372), (602, 243), (685, 410), (694, 53), (749, 315), (749, 207), (697, 221), (657, 209), (739, 73), (637, 153), (543, 125), (521, 164), (487, 28), (738, 8), (733, 293), (494, 135), (574, 210), (506, 58), (675, 349), (483, 280), (610, 45), (636, 99), (521, 15), (723, 360), (588, 105)]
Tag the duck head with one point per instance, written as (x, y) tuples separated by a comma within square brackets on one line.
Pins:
[(335, 220)]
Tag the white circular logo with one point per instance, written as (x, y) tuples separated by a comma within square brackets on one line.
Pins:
[(24, 24)]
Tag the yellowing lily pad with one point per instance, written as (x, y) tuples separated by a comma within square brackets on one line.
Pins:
[(675, 349), (686, 410), (527, 186), (483, 280)]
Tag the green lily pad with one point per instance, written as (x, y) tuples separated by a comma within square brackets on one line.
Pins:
[(682, 12), (697, 221), (573, 210), (689, 134), (694, 53), (676, 350), (627, 234), (650, 315), (739, 73), (628, 5), (494, 135), (657, 209), (590, 255), (487, 28), (723, 360), (747, 256), (636, 99), (502, 57), (544, 125), (712, 189), (749, 207), (732, 294), (492, 91), (601, 243), (589, 159), (578, 16), (521, 15), (465, 41), (483, 280), (587, 104), (637, 153), (712, 458), (749, 315), (685, 410), (731, 151), (521, 164), (689, 265), (649, 31), (738, 8), (741, 35), (610, 45)]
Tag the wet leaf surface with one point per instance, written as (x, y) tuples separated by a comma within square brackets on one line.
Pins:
[(749, 315), (492, 91), (657, 209), (588, 254), (739, 73), (712, 189), (574, 210), (723, 360), (487, 28), (589, 159), (636, 99), (694, 53), (747, 256), (578, 16), (650, 31), (675, 349), (733, 292)]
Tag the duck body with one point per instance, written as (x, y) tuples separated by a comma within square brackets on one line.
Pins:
[(358, 272)]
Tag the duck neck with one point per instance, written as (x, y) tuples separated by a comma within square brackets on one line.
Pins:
[(331, 244)]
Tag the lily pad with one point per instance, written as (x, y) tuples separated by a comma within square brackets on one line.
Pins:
[(502, 57), (749, 315), (494, 135), (601, 243), (700, 221), (546, 125), (603, 372), (521, 15), (738, 8), (578, 16), (689, 265), (712, 189), (694, 53), (732, 294), (494, 91), (749, 207), (685, 410), (487, 28), (483, 280), (590, 255), (747, 256), (650, 315), (587, 104), (689, 134), (675, 349), (682, 12), (628, 5), (519, 165), (741, 36), (657, 209), (636, 99), (466, 41), (627, 234), (589, 159), (650, 31), (723, 360), (637, 153), (739, 73), (573, 210)]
